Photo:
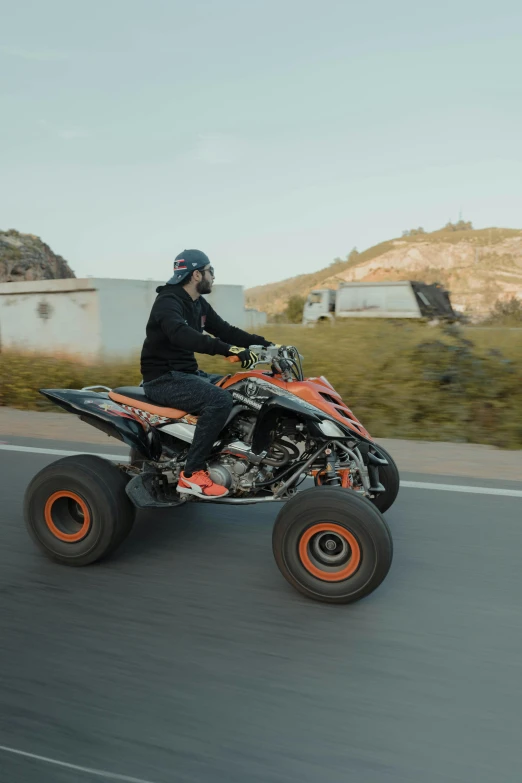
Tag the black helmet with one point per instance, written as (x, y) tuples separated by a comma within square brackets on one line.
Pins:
[(185, 263)]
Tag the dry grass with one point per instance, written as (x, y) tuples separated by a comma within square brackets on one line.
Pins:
[(22, 374), (401, 380)]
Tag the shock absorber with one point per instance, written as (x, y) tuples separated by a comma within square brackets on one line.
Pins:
[(331, 476)]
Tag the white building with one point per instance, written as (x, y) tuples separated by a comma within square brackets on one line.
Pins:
[(255, 319), (94, 317)]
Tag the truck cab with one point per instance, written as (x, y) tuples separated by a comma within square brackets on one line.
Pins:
[(319, 306)]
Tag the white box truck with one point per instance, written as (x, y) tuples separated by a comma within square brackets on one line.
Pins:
[(405, 299)]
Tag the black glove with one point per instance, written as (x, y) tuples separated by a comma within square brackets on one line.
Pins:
[(245, 356)]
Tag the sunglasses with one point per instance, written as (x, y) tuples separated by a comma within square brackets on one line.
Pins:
[(209, 269)]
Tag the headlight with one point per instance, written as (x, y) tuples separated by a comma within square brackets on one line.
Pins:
[(331, 429)]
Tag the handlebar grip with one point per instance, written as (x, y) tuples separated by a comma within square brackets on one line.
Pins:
[(232, 359)]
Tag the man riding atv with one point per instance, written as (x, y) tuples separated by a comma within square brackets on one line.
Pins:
[(262, 432), (171, 376)]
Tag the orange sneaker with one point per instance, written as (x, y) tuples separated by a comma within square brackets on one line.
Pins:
[(201, 485)]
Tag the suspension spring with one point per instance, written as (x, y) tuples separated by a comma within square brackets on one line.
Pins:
[(331, 475)]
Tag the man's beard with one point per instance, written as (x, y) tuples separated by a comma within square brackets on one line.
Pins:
[(204, 286)]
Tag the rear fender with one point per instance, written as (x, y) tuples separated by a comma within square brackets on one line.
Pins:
[(99, 411)]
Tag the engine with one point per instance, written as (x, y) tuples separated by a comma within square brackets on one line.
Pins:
[(236, 473), (238, 469)]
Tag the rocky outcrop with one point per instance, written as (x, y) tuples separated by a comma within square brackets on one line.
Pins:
[(26, 257)]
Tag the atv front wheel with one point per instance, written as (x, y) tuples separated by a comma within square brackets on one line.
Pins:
[(332, 545), (77, 510)]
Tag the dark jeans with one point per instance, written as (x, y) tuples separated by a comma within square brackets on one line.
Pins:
[(194, 394)]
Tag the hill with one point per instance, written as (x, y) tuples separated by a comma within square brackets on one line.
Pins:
[(26, 257), (478, 266)]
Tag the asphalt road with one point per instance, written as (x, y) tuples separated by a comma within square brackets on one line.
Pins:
[(187, 657)]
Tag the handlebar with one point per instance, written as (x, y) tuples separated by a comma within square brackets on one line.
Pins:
[(285, 360)]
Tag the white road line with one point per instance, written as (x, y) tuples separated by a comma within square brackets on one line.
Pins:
[(513, 493), (99, 773), (61, 452), (510, 493)]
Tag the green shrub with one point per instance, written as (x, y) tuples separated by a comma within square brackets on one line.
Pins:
[(294, 309), (506, 313)]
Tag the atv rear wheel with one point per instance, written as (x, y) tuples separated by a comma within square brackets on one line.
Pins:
[(77, 510), (332, 545), (390, 479)]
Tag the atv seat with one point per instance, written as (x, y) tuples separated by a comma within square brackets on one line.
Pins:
[(136, 398)]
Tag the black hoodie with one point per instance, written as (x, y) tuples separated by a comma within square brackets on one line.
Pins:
[(175, 332)]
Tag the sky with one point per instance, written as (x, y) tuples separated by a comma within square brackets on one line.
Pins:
[(274, 136)]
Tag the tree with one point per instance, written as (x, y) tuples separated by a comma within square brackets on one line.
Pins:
[(353, 255), (461, 225), (413, 232), (294, 309)]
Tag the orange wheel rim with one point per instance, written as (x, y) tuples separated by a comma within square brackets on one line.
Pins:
[(324, 570), (69, 538)]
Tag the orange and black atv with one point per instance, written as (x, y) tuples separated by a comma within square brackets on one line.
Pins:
[(330, 541)]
